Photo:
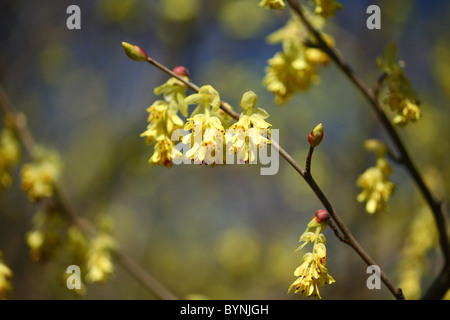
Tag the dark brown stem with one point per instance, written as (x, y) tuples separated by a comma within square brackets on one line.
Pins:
[(405, 158), (18, 120), (346, 236)]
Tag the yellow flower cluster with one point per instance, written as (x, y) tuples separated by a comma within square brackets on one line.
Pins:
[(272, 4), (46, 235), (401, 97), (251, 124), (9, 156), (163, 120), (376, 187), (5, 277), (39, 177), (242, 138), (99, 254), (414, 263), (312, 273), (294, 69), (327, 8)]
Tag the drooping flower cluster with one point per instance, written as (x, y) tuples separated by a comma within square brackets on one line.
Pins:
[(47, 234), (250, 132), (5, 279), (99, 255), (294, 69), (163, 119), (401, 97), (376, 187), (327, 8), (312, 273), (9, 156), (414, 263), (39, 178), (272, 4)]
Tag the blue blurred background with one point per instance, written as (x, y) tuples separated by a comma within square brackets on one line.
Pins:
[(224, 232)]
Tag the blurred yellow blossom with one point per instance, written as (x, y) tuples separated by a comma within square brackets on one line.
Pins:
[(46, 235), (401, 97), (5, 279), (40, 177), (376, 187), (9, 156), (414, 264), (327, 8), (272, 4), (294, 69)]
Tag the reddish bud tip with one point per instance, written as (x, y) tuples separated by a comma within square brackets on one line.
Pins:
[(134, 52), (315, 137), (181, 71), (321, 216)]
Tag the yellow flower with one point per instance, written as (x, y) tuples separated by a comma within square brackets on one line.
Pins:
[(251, 130), (206, 139), (206, 98), (164, 152), (174, 93), (5, 279), (272, 4), (312, 273), (46, 235), (401, 97), (294, 69), (9, 156), (99, 255), (327, 8), (163, 120), (39, 178), (376, 187)]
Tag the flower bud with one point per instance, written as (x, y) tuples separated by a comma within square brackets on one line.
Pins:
[(248, 100), (315, 137), (181, 71), (134, 52), (321, 216)]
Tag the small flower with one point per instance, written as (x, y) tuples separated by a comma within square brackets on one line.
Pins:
[(39, 178), (315, 137), (401, 97), (294, 69), (206, 139), (327, 8), (9, 156), (272, 4), (376, 187), (5, 279), (134, 52), (312, 273), (251, 126), (206, 98), (46, 235), (99, 255)]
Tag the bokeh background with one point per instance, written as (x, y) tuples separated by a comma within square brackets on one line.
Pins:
[(224, 232)]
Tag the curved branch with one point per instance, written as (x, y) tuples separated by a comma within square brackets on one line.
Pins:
[(27, 140), (346, 236), (405, 158)]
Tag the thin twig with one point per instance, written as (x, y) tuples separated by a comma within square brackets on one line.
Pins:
[(346, 236), (405, 158), (28, 142)]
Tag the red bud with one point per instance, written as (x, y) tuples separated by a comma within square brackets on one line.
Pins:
[(181, 71), (321, 216)]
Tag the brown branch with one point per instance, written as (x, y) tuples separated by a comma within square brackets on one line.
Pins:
[(346, 236), (406, 160), (18, 120)]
